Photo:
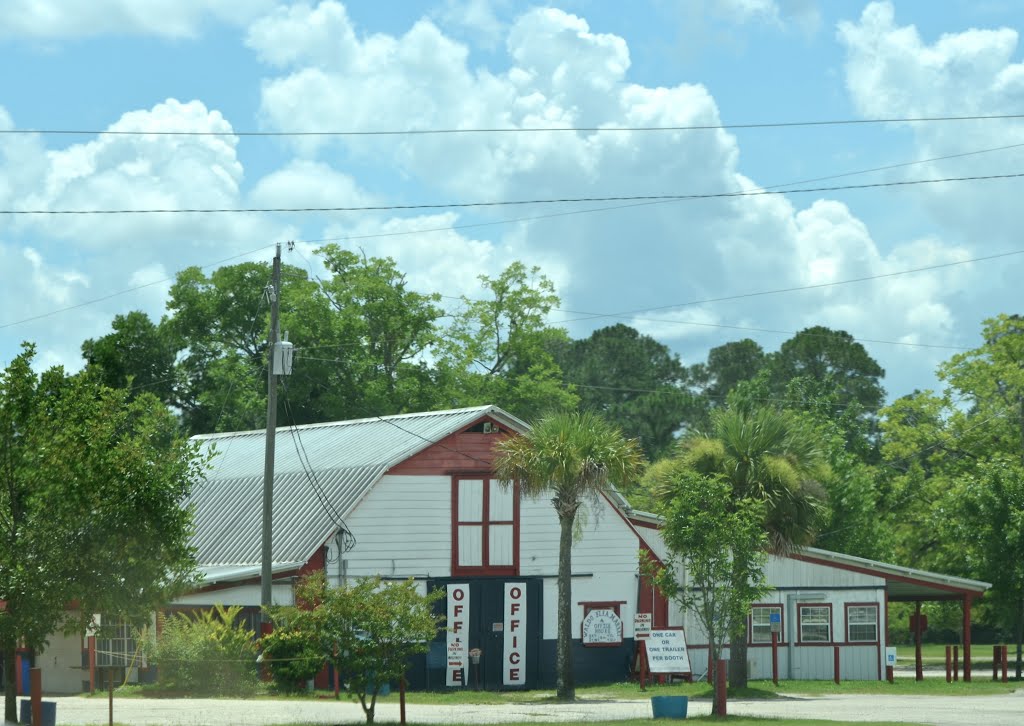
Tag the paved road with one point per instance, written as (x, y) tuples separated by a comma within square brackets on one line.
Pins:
[(999, 710)]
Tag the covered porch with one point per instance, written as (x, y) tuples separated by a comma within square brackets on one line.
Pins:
[(906, 584)]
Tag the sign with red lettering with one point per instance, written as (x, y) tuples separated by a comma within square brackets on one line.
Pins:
[(458, 636), (513, 670)]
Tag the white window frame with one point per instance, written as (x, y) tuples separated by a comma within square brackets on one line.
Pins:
[(767, 634), (804, 610), (866, 607)]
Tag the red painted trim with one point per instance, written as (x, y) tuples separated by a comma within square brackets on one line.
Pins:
[(885, 637), (484, 523), (878, 622), (883, 575), (645, 525), (750, 624), (967, 638), (799, 624)]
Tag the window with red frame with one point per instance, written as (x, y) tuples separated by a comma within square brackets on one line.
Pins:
[(761, 623), (862, 623), (485, 528)]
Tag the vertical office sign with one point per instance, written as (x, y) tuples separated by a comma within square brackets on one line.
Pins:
[(513, 671)]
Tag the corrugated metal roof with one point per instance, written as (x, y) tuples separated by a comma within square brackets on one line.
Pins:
[(348, 457)]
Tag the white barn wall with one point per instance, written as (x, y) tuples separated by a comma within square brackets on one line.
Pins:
[(245, 595), (604, 560), (403, 528)]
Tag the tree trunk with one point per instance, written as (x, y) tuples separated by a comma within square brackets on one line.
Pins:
[(738, 659), (566, 685), (738, 644), (10, 694)]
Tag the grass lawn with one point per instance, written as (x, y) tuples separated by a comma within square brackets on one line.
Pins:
[(631, 691), (933, 654)]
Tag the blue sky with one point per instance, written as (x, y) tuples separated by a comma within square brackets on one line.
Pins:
[(227, 65)]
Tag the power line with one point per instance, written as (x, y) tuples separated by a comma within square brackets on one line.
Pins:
[(307, 468), (798, 288), (520, 219), (510, 203), (426, 230), (94, 300), (518, 130)]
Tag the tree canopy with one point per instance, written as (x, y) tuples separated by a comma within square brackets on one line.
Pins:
[(91, 504)]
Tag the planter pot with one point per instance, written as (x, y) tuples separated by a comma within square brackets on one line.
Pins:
[(669, 706), (49, 713)]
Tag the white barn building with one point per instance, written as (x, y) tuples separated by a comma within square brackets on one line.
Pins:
[(414, 496)]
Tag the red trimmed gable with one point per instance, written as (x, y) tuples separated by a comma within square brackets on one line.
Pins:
[(463, 451)]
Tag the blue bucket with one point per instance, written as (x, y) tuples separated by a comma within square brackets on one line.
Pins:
[(669, 706)]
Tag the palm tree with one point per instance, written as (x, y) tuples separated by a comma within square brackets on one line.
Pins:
[(767, 456), (574, 457)]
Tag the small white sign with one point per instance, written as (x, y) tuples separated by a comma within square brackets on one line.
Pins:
[(643, 623), (602, 627), (890, 657), (457, 640), (666, 652)]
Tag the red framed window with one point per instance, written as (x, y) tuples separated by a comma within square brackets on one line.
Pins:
[(485, 526), (814, 621), (862, 622), (761, 624)]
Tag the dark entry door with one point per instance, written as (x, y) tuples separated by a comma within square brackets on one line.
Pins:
[(486, 630)]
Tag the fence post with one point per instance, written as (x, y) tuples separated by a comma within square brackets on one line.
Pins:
[(35, 678), (720, 687), (949, 664), (835, 663), (775, 658), (1005, 659), (956, 662)]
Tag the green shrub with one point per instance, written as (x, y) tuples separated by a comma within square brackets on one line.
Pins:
[(206, 653), (293, 652)]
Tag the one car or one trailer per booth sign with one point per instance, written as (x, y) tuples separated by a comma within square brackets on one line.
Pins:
[(513, 670), (457, 643), (666, 652), (602, 627)]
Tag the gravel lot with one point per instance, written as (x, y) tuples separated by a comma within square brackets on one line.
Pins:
[(996, 710)]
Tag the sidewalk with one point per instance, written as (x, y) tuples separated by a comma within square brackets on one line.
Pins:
[(999, 710)]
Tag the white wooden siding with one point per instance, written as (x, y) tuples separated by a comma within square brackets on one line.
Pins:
[(403, 528), (245, 595), (604, 560)]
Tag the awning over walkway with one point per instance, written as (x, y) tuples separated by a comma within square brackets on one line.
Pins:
[(903, 584)]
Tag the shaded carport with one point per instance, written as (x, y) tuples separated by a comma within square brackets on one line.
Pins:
[(906, 584)]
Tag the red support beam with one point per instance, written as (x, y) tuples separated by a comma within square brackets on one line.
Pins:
[(91, 645), (967, 638), (775, 658), (835, 663), (918, 664), (35, 677)]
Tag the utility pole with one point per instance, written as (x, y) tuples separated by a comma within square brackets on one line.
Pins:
[(266, 576)]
